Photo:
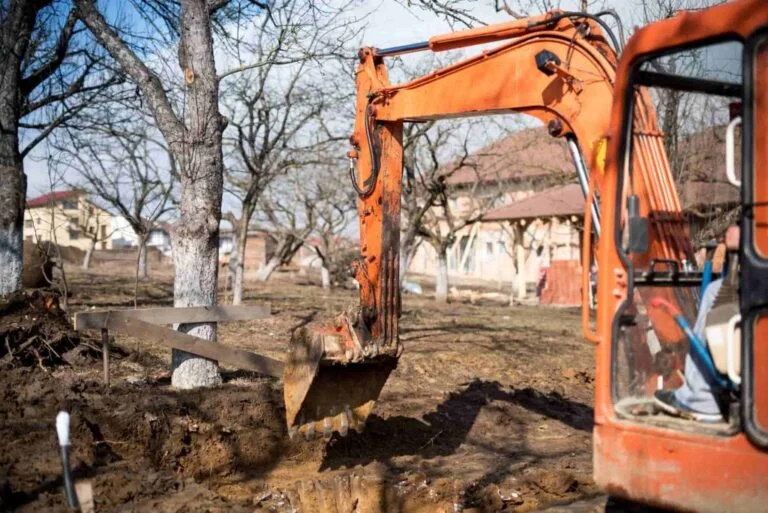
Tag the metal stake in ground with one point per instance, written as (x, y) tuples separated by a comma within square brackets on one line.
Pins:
[(62, 430)]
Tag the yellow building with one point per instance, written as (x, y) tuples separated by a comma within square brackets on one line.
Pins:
[(68, 219)]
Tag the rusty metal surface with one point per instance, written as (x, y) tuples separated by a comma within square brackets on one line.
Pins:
[(332, 381), (681, 471)]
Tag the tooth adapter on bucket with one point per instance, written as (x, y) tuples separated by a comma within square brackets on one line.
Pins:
[(332, 379)]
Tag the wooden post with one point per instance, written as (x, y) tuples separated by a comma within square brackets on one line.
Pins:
[(105, 353)]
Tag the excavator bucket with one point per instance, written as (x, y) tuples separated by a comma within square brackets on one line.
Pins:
[(332, 382)]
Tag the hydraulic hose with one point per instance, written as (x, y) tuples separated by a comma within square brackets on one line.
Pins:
[(369, 184), (699, 351)]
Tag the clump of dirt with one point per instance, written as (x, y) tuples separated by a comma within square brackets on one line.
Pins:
[(34, 330)]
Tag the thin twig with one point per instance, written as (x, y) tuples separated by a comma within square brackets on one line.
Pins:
[(429, 442)]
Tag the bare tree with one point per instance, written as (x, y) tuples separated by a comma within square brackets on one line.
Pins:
[(693, 123), (462, 14), (436, 210), (276, 106), (88, 226), (124, 164), (288, 211), (47, 68), (335, 205), (192, 129)]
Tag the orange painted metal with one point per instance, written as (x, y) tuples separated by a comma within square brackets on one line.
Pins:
[(686, 471), (761, 378), (679, 471), (572, 98)]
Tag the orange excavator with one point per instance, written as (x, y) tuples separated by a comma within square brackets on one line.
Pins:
[(562, 68)]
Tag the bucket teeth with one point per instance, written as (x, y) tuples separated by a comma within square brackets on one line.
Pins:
[(344, 427), (309, 434), (327, 428)]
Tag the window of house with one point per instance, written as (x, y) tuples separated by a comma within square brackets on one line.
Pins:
[(74, 235), (28, 223), (69, 204)]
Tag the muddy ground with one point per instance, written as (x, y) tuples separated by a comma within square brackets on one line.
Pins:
[(489, 410)]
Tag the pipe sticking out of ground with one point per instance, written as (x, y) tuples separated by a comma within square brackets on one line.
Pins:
[(62, 430)]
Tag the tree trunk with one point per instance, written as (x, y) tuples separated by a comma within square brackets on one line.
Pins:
[(407, 252), (441, 284), (325, 275), (143, 270), (287, 247), (232, 263), (519, 250), (266, 271), (239, 250), (195, 145), (201, 162), (17, 22), (12, 195), (89, 254)]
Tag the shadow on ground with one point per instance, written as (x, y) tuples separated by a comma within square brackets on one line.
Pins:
[(442, 431)]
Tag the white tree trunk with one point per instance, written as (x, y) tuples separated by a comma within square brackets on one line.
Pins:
[(239, 251), (143, 268), (406, 256), (441, 284), (266, 271), (89, 254), (12, 195), (196, 145), (196, 265), (325, 275), (11, 259), (196, 237), (18, 23)]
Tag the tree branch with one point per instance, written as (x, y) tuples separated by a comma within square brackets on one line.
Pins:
[(145, 79), (38, 76)]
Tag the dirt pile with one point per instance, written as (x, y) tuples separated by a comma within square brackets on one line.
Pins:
[(144, 447), (34, 330)]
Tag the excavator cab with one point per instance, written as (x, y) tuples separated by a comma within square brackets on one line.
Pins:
[(678, 162), (707, 74)]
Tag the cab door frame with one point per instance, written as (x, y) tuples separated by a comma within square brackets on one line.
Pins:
[(754, 243)]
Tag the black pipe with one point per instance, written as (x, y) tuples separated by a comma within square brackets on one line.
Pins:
[(69, 487), (402, 49), (424, 45)]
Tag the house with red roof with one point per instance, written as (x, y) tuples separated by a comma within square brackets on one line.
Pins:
[(509, 170), (530, 243)]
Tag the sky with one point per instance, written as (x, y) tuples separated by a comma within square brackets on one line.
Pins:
[(386, 23)]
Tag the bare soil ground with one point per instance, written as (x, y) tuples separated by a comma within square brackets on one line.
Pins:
[(490, 409)]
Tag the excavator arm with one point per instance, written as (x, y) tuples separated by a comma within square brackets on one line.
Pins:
[(558, 68)]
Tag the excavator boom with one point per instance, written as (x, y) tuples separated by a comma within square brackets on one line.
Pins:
[(559, 68)]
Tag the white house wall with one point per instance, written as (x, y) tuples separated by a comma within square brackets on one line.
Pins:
[(491, 254)]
